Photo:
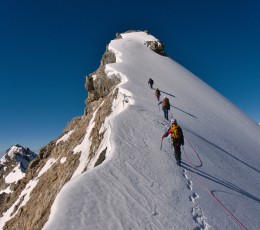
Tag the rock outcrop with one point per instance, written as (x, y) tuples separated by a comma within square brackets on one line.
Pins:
[(35, 212), (32, 196), (156, 46)]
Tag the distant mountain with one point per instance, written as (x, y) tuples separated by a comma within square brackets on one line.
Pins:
[(13, 165), (111, 169), (19, 155)]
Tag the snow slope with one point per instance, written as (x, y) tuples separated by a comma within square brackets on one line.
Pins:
[(140, 186)]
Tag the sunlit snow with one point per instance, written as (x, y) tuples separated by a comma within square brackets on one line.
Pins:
[(14, 175), (65, 137), (140, 186)]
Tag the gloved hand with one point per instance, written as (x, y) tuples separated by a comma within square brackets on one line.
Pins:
[(162, 136)]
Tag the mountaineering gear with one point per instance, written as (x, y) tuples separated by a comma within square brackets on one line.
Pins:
[(150, 82), (177, 152), (165, 106), (177, 139), (161, 144), (173, 121), (166, 103), (176, 134), (157, 94)]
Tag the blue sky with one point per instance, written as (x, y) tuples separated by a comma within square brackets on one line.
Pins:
[(48, 47)]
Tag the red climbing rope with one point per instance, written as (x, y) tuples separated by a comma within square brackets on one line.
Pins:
[(205, 187), (195, 153)]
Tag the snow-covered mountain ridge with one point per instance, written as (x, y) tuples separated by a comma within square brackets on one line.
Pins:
[(16, 159), (13, 166), (137, 186)]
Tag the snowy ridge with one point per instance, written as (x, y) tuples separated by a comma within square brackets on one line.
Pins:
[(121, 103), (140, 187)]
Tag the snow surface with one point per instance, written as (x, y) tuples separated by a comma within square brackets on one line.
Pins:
[(47, 165), (7, 190), (14, 176), (13, 150), (63, 160), (65, 137), (3, 159), (140, 186)]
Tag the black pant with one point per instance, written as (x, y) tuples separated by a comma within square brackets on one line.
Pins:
[(166, 112), (177, 150)]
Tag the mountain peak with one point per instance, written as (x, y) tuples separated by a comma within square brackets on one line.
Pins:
[(110, 168), (150, 41)]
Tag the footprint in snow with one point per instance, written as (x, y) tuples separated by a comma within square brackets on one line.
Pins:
[(184, 175), (189, 185), (193, 197), (199, 218)]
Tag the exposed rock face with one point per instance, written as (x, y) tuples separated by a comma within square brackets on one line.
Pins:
[(5, 169), (102, 85), (57, 161), (36, 212), (156, 46), (89, 84)]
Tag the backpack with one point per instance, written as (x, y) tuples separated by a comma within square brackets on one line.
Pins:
[(165, 103), (177, 133)]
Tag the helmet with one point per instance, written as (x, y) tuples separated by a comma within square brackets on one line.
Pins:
[(173, 121)]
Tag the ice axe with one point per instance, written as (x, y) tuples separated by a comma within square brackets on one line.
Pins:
[(161, 144)]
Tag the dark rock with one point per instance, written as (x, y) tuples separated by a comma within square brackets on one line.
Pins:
[(101, 157), (89, 83), (156, 46)]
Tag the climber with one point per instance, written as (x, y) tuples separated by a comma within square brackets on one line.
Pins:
[(157, 94), (165, 106), (177, 139), (150, 82)]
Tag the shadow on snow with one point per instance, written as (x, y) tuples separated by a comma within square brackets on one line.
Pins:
[(220, 181), (224, 151), (183, 111)]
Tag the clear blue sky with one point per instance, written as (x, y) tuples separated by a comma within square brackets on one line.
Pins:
[(48, 47)]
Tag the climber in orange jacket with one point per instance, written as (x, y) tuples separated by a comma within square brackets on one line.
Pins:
[(177, 139)]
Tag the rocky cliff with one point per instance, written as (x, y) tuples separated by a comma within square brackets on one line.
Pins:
[(28, 204)]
